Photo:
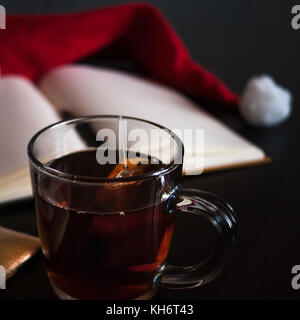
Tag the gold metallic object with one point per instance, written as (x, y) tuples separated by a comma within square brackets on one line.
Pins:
[(15, 249)]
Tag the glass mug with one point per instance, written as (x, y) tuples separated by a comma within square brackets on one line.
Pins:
[(106, 230)]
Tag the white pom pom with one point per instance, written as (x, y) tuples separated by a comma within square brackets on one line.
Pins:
[(264, 103)]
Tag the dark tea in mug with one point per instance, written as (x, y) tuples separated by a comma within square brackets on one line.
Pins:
[(103, 253), (106, 226)]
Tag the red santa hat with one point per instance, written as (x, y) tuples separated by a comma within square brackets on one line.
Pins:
[(33, 45)]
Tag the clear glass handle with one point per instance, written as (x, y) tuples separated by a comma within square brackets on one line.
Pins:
[(222, 216)]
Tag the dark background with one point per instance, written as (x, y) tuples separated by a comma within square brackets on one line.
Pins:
[(235, 40)]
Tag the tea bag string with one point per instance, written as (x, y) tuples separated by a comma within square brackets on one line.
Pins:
[(122, 145)]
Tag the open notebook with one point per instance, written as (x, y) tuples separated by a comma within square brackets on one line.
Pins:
[(83, 90)]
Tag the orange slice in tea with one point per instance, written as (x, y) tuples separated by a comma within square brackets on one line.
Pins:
[(131, 167)]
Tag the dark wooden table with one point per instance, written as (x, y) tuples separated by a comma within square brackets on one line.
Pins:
[(235, 41)]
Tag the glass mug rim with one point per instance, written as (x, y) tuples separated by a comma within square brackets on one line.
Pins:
[(40, 166)]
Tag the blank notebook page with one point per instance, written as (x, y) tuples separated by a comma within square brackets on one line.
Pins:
[(83, 90)]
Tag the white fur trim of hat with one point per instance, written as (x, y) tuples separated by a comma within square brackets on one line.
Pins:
[(264, 103)]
